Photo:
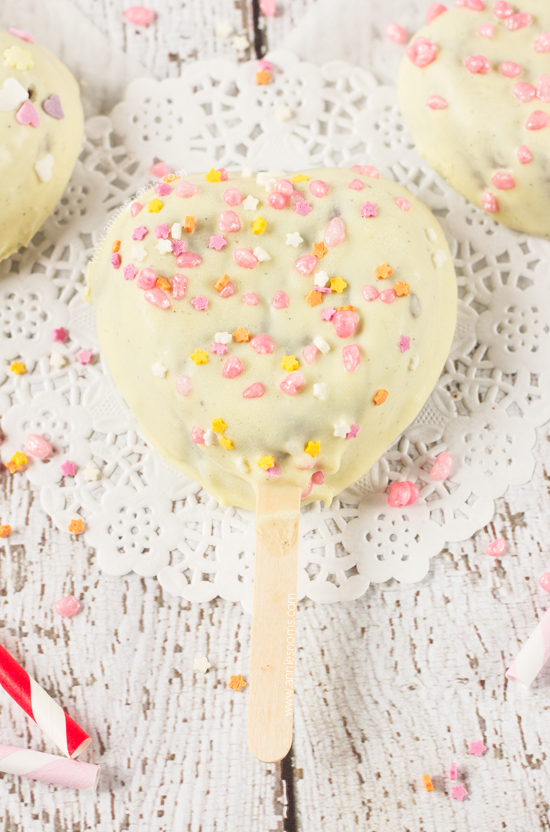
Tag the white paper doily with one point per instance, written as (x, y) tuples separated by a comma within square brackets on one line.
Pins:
[(142, 515)]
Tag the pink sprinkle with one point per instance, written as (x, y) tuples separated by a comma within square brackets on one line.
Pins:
[(310, 353), (229, 222), (255, 391), (435, 102), (161, 231), (188, 260), (37, 446), (403, 494), (542, 43), (503, 180), (502, 10), (489, 203), (318, 188), (497, 548), (524, 155), (274, 472), (351, 356), (353, 431), (452, 771), (27, 115), (263, 344), (130, 271), (18, 33), (441, 468), (543, 88), (251, 299), (345, 323), (277, 200), (232, 196), (85, 357), (115, 260), (228, 290), (328, 313), (458, 792), (159, 169), (308, 490), (197, 435), (510, 69), (292, 383), (245, 258), (184, 385), (477, 64), (434, 11), (135, 208), (178, 247), (306, 264), (324, 290), (179, 285), (370, 293), (477, 748), (139, 232), (335, 233), (186, 189), (163, 189), (486, 30), (403, 203), (523, 91), (67, 606), (68, 469), (280, 300), (518, 21), (263, 64), (544, 581), (140, 16), (268, 7), (157, 298), (217, 242), (303, 208), (422, 52), (296, 197), (356, 185), (473, 5), (537, 120), (396, 33), (285, 187), (233, 367), (200, 303), (404, 343), (60, 334), (387, 296), (223, 174), (366, 170), (369, 209), (219, 349), (318, 478), (147, 279)]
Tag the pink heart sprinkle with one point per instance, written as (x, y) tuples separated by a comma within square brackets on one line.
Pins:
[(263, 344), (67, 606), (370, 293), (245, 258), (356, 185), (524, 92), (310, 353), (518, 21), (27, 115), (184, 385), (489, 203), (251, 299), (52, 106), (510, 69), (502, 10), (388, 296), (537, 120), (159, 169), (435, 102), (335, 233), (442, 467), (285, 187), (135, 208), (229, 222), (544, 581), (186, 189), (543, 89), (503, 180), (255, 391), (351, 356), (477, 64), (422, 52), (292, 383), (434, 11), (147, 279), (345, 323), (318, 188), (486, 30), (497, 548), (524, 155), (402, 203), (37, 446), (233, 367), (306, 264), (232, 196), (139, 15), (280, 300), (228, 290), (277, 200)]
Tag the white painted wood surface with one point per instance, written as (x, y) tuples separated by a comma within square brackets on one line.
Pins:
[(388, 688)]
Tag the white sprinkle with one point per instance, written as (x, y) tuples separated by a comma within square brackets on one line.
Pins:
[(159, 370), (283, 113), (57, 360), (438, 258), (268, 178), (44, 167), (222, 337), (261, 254), (242, 465), (414, 362), (250, 203), (91, 473), (201, 664), (321, 345), (320, 278), (294, 239), (12, 95), (176, 231), (209, 437), (164, 246), (431, 235), (138, 253), (247, 173), (320, 391), (241, 43), (342, 430), (224, 29)]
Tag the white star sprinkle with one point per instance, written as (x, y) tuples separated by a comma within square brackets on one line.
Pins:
[(320, 278), (176, 231), (320, 391), (201, 664), (138, 253), (224, 29), (342, 430), (222, 337), (250, 203), (209, 437), (283, 113), (57, 360), (321, 345), (164, 246), (91, 473), (241, 43), (294, 239), (159, 370), (261, 254)]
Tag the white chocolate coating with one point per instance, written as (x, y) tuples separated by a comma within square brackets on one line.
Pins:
[(136, 337), (480, 131), (30, 193)]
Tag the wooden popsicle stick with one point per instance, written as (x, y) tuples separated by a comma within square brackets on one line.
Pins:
[(272, 656)]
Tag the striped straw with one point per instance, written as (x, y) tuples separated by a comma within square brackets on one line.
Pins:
[(59, 771)]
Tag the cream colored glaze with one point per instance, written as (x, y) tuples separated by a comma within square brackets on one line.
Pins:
[(135, 335), (484, 124), (26, 200)]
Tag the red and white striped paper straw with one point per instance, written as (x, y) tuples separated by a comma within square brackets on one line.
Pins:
[(56, 724), (533, 655), (59, 771)]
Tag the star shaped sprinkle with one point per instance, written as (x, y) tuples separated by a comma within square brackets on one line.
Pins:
[(164, 246), (90, 473), (458, 792), (266, 462), (76, 526), (258, 226), (159, 370), (321, 278), (477, 748), (384, 271), (303, 208), (201, 664), (224, 29), (300, 177), (342, 430), (209, 437), (438, 258), (261, 254), (263, 77), (138, 253), (213, 175), (226, 443), (338, 284), (250, 203), (294, 239), (401, 289), (85, 356), (178, 247), (60, 334), (289, 363), (319, 250), (130, 271), (200, 303), (241, 43), (57, 360), (217, 242), (5, 531), (353, 431), (404, 343), (199, 357), (218, 426), (236, 682), (240, 335), (218, 349), (17, 462), (223, 337), (320, 391), (18, 368), (313, 448), (68, 469), (161, 231), (369, 209), (154, 206)]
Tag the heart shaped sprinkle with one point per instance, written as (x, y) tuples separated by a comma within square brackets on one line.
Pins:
[(52, 106), (27, 115), (44, 167), (12, 95)]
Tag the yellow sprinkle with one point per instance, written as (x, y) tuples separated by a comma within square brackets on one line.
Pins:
[(289, 363), (17, 462), (258, 226), (199, 357), (313, 448), (300, 177), (18, 368), (213, 175), (226, 443), (218, 426), (18, 58), (266, 462), (338, 284), (154, 206)]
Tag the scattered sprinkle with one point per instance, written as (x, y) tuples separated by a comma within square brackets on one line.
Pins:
[(91, 473), (226, 443), (266, 462), (338, 284), (241, 335), (240, 43), (290, 363), (18, 58), (313, 448), (154, 205), (259, 225), (341, 430), (303, 208), (67, 606), (139, 15), (497, 548), (396, 33), (320, 391), (250, 203), (236, 682), (283, 113), (404, 343), (201, 664), (57, 360), (18, 368), (401, 289), (224, 29), (384, 271), (544, 582), (477, 748), (294, 239), (159, 370), (200, 303), (84, 357), (76, 526), (263, 77), (5, 531), (380, 397), (369, 209), (218, 426), (17, 462), (217, 242), (442, 467), (458, 792), (261, 254), (403, 203), (427, 782), (452, 771), (314, 298), (199, 357)]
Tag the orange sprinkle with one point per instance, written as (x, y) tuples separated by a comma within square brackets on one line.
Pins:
[(241, 334), (237, 682), (401, 289), (427, 781), (263, 77), (380, 396), (170, 178), (319, 250), (348, 308), (314, 298), (76, 526), (5, 531), (223, 281), (189, 224), (163, 283), (17, 462), (384, 271), (116, 246)]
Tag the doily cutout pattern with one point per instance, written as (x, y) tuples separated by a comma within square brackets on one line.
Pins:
[(143, 516)]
